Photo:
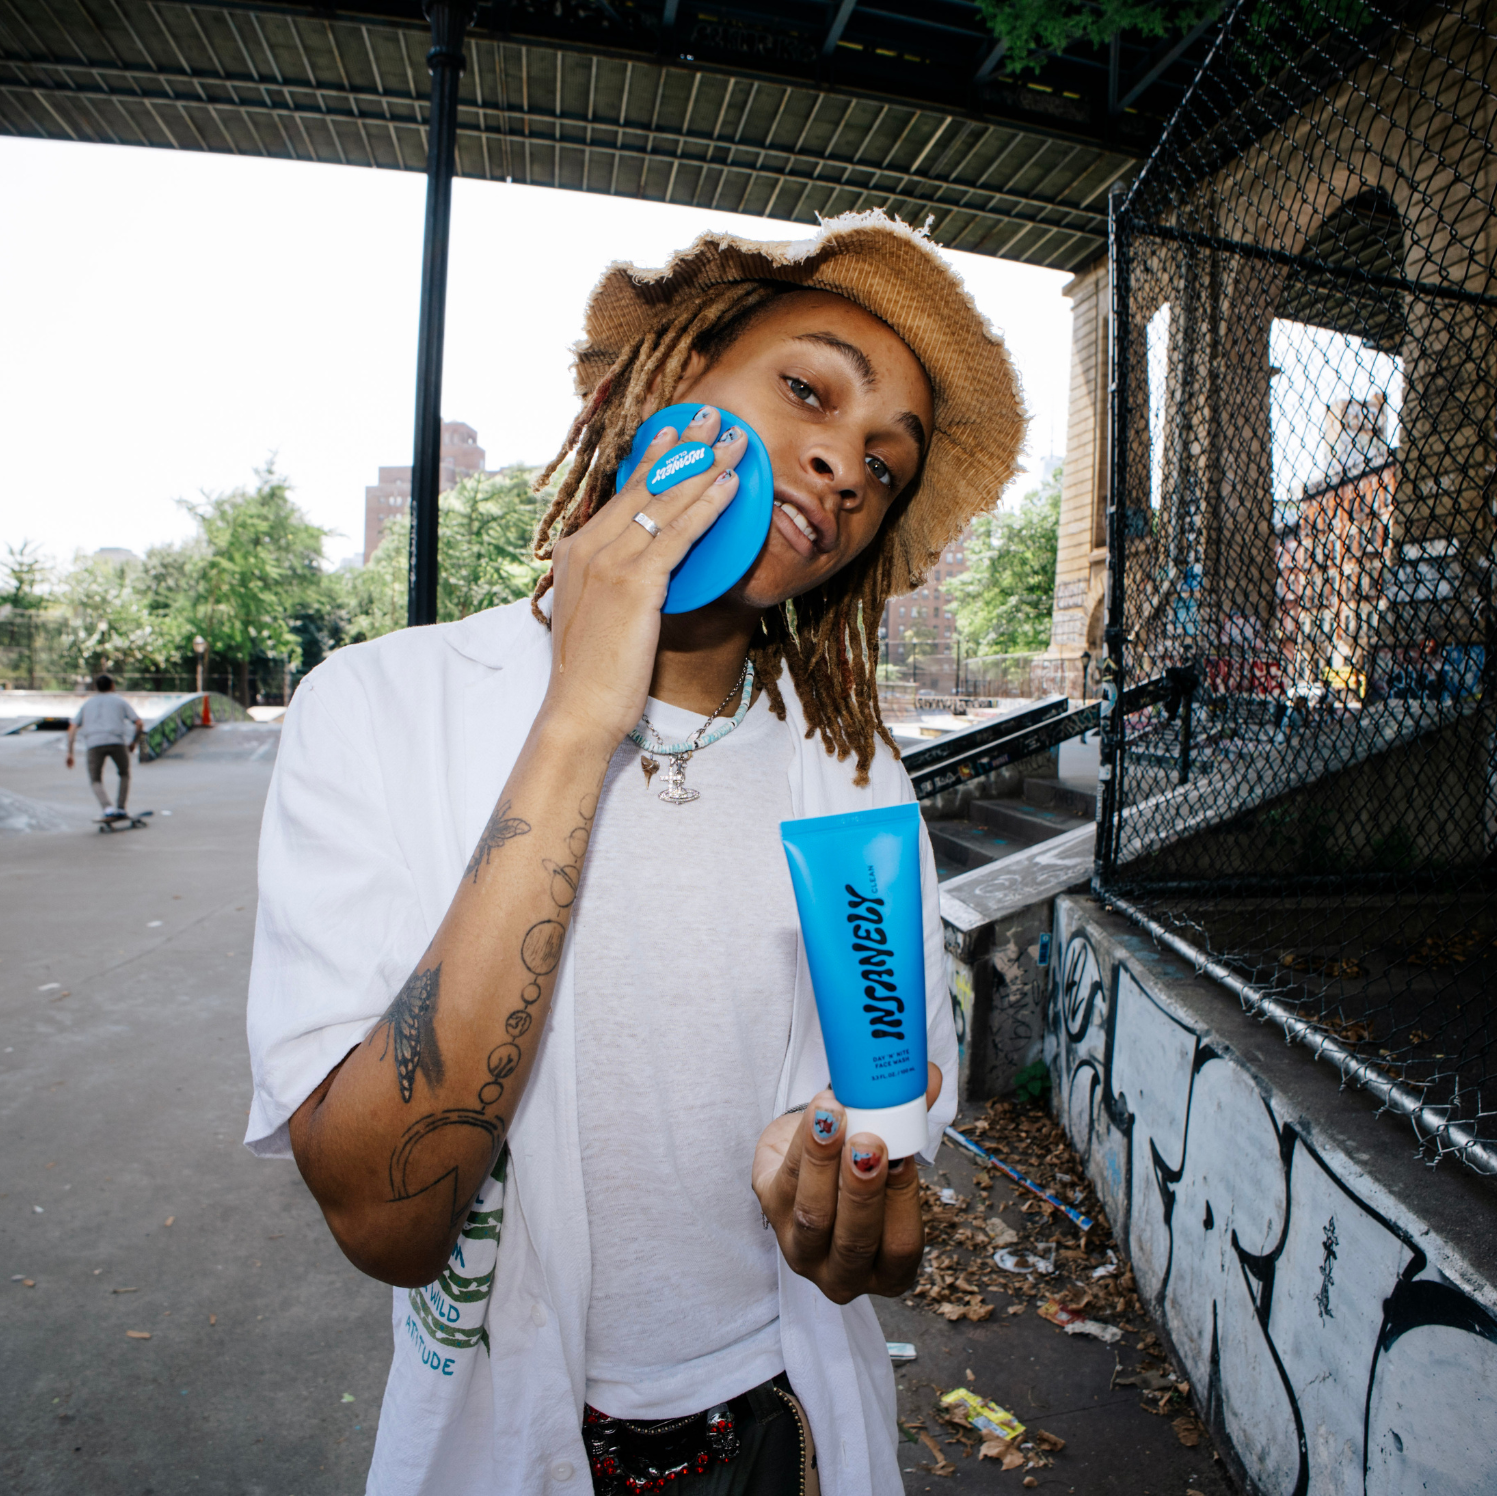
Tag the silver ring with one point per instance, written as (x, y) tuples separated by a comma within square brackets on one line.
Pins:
[(644, 521)]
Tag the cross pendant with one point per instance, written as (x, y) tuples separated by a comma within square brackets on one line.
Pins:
[(675, 791)]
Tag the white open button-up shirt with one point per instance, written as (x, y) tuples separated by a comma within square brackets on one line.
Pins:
[(391, 761)]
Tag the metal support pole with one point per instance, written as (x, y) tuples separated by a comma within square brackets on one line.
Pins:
[(1111, 673), (449, 19)]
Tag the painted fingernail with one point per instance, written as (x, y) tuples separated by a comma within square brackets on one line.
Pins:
[(704, 414), (725, 476), (730, 435), (865, 1163), (668, 436), (825, 1124)]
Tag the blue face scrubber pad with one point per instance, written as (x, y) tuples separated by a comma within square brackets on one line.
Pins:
[(724, 554)]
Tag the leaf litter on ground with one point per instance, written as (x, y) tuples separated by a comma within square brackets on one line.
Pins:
[(976, 1252)]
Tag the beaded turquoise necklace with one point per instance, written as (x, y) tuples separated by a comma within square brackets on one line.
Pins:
[(679, 754)]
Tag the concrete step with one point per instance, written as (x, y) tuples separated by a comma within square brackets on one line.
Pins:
[(961, 846), (1019, 821), (1069, 799)]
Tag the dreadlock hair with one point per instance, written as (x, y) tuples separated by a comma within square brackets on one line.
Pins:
[(828, 637)]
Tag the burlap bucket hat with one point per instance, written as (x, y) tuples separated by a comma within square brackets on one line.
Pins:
[(896, 273)]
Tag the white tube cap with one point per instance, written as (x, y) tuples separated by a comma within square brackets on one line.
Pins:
[(903, 1128)]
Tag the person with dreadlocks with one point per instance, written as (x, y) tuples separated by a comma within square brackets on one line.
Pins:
[(590, 1139)]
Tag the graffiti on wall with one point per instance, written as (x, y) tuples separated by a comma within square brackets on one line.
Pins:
[(1326, 1348)]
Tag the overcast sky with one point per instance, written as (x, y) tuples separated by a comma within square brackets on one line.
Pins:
[(171, 319)]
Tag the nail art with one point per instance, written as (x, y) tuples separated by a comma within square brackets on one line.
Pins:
[(864, 1163), (725, 476), (731, 434), (825, 1124), (701, 416)]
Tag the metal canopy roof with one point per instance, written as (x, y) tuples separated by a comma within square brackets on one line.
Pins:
[(783, 108)]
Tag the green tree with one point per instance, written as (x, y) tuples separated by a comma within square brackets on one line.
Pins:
[(484, 558), (26, 575), (1271, 31), (1003, 601), (109, 626), (258, 567)]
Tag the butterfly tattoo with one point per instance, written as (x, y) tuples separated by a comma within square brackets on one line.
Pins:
[(502, 827), (409, 1025)]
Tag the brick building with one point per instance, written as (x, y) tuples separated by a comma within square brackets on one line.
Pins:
[(461, 457), (926, 613)]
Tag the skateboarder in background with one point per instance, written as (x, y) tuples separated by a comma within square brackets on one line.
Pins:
[(110, 728)]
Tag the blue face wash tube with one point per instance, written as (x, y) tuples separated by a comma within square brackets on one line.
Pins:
[(857, 887)]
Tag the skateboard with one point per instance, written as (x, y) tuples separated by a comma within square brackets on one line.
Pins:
[(136, 820)]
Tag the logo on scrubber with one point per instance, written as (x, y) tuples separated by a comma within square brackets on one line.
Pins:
[(679, 464)]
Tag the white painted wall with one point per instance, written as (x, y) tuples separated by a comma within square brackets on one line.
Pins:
[(1315, 1315)]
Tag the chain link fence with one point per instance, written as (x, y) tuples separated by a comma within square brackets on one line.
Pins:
[(1300, 529)]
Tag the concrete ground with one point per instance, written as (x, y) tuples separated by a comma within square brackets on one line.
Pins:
[(1048, 1380), (123, 1090), (127, 1203)]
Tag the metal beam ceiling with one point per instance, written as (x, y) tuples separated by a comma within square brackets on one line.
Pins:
[(782, 108)]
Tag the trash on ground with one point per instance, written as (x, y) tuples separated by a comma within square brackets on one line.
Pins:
[(348, 1397), (1018, 1260), (1148, 1381), (1052, 1442), (900, 1351), (1002, 1233), (124, 1290), (1075, 1322), (1108, 1268), (982, 1414), (28, 1282), (137, 1334), (950, 1197), (1083, 1222), (170, 1221)]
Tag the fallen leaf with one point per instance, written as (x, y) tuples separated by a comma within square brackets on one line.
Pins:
[(1013, 1459), (943, 1466), (1030, 1481), (1052, 1442), (971, 1375), (276, 1237), (212, 1319), (124, 1290), (1016, 1309), (1187, 1431), (28, 1282), (348, 1397), (137, 1334), (171, 1220)]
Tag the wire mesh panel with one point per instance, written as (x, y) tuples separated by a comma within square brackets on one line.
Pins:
[(1301, 541)]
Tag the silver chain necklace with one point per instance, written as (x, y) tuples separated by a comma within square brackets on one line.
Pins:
[(675, 791)]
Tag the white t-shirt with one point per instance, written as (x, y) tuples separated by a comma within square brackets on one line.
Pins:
[(684, 937), (105, 719)]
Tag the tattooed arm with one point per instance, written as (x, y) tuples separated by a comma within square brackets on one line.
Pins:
[(397, 1140)]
